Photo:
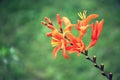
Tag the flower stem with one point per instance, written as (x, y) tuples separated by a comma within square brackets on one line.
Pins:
[(100, 67)]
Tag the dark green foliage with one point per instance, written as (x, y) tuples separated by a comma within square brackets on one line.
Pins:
[(26, 53)]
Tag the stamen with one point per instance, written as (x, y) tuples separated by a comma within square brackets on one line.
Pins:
[(82, 15)]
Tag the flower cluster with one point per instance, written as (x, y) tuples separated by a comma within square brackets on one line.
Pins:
[(63, 38)]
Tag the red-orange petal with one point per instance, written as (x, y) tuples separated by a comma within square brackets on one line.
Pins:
[(48, 20), (64, 49), (65, 54), (100, 26), (71, 37), (93, 42), (90, 17), (94, 34), (44, 23), (96, 30), (49, 34), (55, 51), (57, 35), (59, 20), (66, 21), (51, 27)]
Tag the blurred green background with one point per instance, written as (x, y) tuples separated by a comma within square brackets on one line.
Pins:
[(26, 53)]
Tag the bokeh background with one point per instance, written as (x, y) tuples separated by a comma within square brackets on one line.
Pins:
[(26, 53)]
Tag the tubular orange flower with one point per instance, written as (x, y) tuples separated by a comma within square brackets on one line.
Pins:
[(76, 45), (86, 20), (66, 21), (59, 21), (58, 38), (96, 30), (84, 23), (63, 39), (60, 43)]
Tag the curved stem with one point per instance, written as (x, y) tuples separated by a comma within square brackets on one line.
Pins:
[(100, 67)]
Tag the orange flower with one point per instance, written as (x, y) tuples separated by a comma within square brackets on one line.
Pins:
[(75, 45), (96, 30), (60, 43), (84, 23), (85, 20), (67, 23), (58, 37), (63, 39)]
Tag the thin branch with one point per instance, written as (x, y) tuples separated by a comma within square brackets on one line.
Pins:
[(100, 67)]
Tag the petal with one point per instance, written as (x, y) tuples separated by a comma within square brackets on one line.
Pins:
[(94, 34), (59, 20), (69, 48), (96, 30), (48, 20), (66, 21), (92, 43), (93, 37), (51, 27), (71, 37), (80, 24), (55, 51), (55, 42), (82, 32), (68, 28), (56, 34), (49, 34), (44, 23), (55, 39), (67, 24), (64, 49), (65, 54), (82, 46), (48, 25), (99, 28), (79, 54), (90, 17)]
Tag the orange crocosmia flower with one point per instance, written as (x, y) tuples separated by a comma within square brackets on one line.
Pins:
[(60, 43), (66, 21), (75, 45), (58, 40), (96, 30), (85, 20), (84, 23), (63, 39), (59, 20)]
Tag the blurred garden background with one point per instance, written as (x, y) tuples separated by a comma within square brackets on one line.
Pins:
[(26, 53)]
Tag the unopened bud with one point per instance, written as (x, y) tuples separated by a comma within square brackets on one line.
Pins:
[(48, 20), (110, 76), (44, 23), (94, 59), (102, 67)]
